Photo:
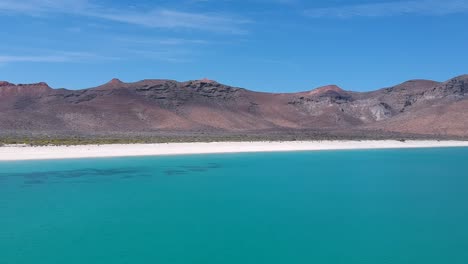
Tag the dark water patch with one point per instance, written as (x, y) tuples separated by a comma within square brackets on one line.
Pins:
[(100, 175), (186, 169), (195, 168), (24, 186), (30, 178), (36, 175), (33, 182), (71, 175), (214, 165), (175, 172), (86, 181), (113, 172)]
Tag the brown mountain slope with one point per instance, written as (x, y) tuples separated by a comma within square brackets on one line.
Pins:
[(441, 109), (150, 106)]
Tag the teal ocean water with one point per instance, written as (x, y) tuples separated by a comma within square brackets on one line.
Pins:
[(372, 206)]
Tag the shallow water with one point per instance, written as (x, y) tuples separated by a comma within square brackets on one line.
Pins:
[(372, 206)]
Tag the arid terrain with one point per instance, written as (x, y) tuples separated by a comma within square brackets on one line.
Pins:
[(416, 108)]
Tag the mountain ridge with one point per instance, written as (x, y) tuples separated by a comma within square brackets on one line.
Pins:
[(421, 107)]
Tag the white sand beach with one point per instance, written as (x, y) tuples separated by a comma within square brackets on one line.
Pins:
[(15, 152)]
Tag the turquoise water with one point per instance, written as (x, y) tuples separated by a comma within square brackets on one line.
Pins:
[(374, 206)]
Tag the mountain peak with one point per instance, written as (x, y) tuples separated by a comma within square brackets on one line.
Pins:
[(206, 80), (325, 89), (115, 81), (416, 82), (5, 83), (41, 84), (462, 77)]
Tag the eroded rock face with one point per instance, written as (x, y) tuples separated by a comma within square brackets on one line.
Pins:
[(34, 89), (206, 105), (211, 89), (381, 111), (456, 87)]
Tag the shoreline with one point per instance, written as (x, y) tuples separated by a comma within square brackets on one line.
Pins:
[(18, 153)]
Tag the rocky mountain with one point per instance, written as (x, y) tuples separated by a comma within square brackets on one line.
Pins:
[(204, 106)]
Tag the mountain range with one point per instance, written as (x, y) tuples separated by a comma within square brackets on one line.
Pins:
[(416, 107)]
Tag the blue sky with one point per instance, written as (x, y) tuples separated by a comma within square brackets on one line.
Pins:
[(265, 45)]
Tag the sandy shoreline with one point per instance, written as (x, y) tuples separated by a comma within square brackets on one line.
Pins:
[(12, 153)]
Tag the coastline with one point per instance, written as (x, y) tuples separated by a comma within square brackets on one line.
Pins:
[(17, 153)]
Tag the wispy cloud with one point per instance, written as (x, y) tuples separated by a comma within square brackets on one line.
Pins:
[(153, 18), (171, 56), (160, 41), (15, 58), (423, 7), (60, 56), (37, 7), (162, 18)]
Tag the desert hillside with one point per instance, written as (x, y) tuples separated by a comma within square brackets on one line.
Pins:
[(153, 106)]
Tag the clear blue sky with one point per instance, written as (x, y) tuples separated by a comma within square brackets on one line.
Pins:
[(266, 45)]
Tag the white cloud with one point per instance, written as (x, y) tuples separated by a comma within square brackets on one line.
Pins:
[(162, 18), (14, 58), (172, 56), (155, 18), (423, 7), (35, 7), (160, 41), (59, 56)]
